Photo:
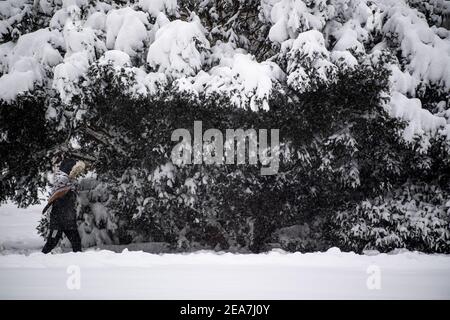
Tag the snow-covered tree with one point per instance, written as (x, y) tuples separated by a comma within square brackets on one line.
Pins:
[(358, 88)]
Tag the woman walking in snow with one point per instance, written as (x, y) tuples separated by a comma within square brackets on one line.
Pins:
[(62, 203)]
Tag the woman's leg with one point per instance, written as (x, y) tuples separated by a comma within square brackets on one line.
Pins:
[(52, 240), (74, 238)]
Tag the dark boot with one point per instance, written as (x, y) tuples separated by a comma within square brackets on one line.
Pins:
[(52, 240)]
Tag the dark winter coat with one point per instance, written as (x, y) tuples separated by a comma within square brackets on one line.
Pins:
[(63, 215)]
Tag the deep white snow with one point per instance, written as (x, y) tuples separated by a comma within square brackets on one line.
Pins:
[(27, 273), (18, 229)]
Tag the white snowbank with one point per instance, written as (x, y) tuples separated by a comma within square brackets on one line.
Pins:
[(18, 228), (205, 274), (208, 275)]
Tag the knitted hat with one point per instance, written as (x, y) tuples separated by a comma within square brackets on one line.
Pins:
[(66, 165)]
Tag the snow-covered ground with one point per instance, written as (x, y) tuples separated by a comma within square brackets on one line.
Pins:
[(26, 273), (18, 228)]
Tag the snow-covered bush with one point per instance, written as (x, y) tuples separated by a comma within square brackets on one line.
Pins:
[(305, 237), (291, 17), (437, 12), (97, 223), (179, 49), (326, 157), (239, 78), (307, 62), (26, 144), (415, 217)]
